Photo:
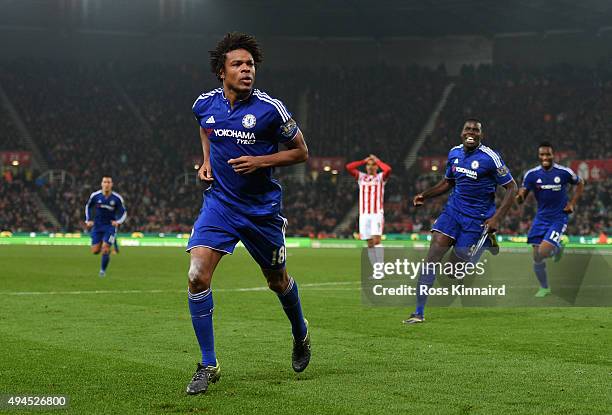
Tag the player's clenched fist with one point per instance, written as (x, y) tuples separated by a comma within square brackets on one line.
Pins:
[(418, 200), (89, 223), (205, 172)]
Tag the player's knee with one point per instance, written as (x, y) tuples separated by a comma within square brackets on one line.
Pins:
[(105, 250), (277, 280), (436, 253), (198, 275), (543, 254), (95, 250), (278, 286)]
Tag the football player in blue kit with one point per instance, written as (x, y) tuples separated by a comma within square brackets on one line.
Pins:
[(469, 219), (109, 213), (240, 130), (548, 182)]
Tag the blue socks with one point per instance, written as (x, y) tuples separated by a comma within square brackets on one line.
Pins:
[(426, 279), (540, 271), (290, 300), (105, 261), (201, 308)]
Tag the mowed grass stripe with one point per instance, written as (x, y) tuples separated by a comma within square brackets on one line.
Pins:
[(118, 353)]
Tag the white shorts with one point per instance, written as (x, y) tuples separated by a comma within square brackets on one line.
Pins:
[(370, 224)]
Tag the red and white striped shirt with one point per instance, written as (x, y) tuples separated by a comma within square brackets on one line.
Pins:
[(371, 193)]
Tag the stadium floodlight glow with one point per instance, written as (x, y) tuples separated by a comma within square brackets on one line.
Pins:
[(15, 162), (434, 168), (327, 168), (334, 171), (196, 166)]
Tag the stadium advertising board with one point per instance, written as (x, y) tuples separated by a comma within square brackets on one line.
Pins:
[(593, 170)]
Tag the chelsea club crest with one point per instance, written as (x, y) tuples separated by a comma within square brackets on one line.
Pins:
[(249, 121)]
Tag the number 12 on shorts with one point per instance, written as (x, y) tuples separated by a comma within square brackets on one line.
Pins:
[(278, 256), (555, 236)]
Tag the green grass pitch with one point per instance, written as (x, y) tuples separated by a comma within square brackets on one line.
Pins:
[(130, 347)]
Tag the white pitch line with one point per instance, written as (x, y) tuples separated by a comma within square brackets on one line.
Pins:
[(316, 286)]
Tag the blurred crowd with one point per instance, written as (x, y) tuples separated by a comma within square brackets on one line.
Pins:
[(136, 124), (19, 211), (9, 135), (356, 112)]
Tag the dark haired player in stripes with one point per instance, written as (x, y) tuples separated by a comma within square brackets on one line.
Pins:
[(371, 198), (473, 172), (240, 130), (548, 182)]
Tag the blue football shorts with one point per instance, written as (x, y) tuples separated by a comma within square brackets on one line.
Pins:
[(104, 233), (220, 227), (550, 231), (466, 231)]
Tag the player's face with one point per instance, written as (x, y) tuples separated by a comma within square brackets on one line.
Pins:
[(239, 71), (471, 135), (107, 184), (371, 167), (546, 156)]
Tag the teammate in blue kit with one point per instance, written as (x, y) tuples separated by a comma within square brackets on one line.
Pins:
[(548, 182), (109, 213), (469, 219), (240, 130)]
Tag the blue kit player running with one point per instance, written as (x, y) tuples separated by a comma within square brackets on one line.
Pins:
[(240, 130), (473, 172), (109, 213), (548, 182)]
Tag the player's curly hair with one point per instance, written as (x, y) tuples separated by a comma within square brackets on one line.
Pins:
[(545, 144), (230, 42)]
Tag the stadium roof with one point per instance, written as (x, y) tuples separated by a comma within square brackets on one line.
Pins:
[(313, 18)]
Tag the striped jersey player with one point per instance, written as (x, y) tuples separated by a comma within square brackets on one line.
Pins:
[(371, 200)]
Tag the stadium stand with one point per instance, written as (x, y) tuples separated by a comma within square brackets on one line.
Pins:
[(18, 210), (84, 126)]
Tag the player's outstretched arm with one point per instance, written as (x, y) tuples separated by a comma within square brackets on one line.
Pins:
[(436, 190), (493, 222), (521, 195), (569, 208), (353, 166), (205, 171), (297, 152)]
